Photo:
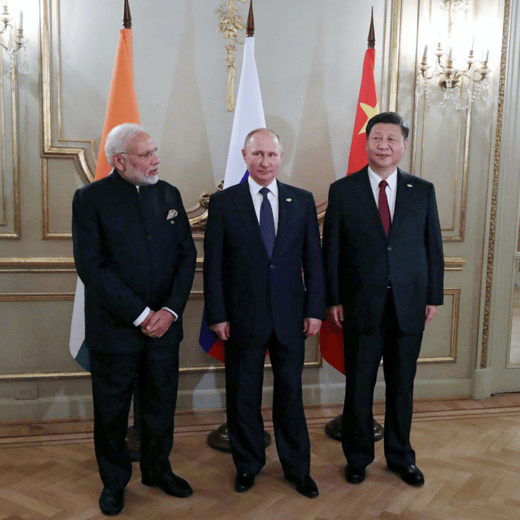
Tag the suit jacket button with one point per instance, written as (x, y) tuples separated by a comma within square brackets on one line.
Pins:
[(271, 266), (389, 248)]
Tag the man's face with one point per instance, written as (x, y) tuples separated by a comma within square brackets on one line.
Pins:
[(263, 156), (385, 148), (139, 164)]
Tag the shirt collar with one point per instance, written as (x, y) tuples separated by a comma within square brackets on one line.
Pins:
[(255, 187), (375, 179)]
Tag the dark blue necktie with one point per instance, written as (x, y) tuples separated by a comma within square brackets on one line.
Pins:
[(267, 222)]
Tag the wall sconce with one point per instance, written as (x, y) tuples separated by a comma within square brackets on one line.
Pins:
[(12, 40), (464, 85)]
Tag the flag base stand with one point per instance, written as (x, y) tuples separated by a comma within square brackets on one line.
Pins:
[(333, 429), (219, 439)]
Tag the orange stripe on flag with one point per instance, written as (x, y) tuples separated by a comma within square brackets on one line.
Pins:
[(122, 104)]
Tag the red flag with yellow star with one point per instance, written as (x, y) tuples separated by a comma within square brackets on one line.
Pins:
[(331, 336), (366, 109)]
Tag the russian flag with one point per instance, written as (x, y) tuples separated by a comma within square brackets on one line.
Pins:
[(249, 115)]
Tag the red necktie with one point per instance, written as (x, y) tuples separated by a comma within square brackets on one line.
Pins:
[(384, 210)]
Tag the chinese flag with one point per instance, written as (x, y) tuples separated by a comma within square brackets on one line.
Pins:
[(331, 336)]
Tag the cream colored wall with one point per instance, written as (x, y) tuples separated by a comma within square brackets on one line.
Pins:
[(309, 58)]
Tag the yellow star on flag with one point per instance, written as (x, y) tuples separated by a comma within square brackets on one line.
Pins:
[(370, 112)]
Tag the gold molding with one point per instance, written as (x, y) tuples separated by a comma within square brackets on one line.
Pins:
[(53, 264), (494, 191), (230, 23), (37, 297), (16, 233), (49, 150), (452, 357), (453, 263)]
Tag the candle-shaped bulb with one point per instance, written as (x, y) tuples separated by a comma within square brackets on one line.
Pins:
[(450, 54), (487, 56), (425, 53), (20, 25)]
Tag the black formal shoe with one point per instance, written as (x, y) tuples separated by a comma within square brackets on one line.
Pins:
[(244, 481), (410, 474), (170, 483), (111, 502), (354, 475), (306, 486)]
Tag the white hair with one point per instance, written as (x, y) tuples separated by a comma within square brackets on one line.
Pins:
[(119, 137)]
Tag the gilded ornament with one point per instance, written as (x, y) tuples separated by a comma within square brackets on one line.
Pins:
[(230, 23)]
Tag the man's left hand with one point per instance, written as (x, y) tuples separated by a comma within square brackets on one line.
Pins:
[(311, 326), (430, 312), (158, 324)]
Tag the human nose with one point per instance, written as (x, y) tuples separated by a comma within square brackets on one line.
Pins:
[(155, 158)]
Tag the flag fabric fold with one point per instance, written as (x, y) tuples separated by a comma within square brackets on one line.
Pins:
[(121, 108), (331, 336), (249, 115)]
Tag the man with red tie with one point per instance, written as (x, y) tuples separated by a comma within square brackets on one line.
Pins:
[(384, 270)]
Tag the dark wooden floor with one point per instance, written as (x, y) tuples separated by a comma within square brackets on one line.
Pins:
[(468, 450)]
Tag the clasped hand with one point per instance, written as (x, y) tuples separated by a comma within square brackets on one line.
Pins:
[(157, 323)]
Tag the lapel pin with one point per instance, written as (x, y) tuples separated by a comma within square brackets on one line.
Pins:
[(172, 214), (289, 200), (410, 185)]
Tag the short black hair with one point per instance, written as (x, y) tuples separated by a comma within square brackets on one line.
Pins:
[(392, 118)]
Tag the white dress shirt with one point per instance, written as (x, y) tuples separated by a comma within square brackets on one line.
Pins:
[(390, 190)]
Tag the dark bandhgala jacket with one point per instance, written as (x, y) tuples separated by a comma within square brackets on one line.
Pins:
[(132, 249)]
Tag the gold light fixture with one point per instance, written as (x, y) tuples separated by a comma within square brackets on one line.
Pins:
[(462, 83), (13, 41)]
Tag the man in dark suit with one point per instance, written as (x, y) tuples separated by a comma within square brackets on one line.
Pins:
[(384, 271), (264, 291), (135, 255)]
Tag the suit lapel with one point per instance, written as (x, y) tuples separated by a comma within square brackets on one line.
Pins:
[(246, 209), (401, 200), (366, 196), (284, 209)]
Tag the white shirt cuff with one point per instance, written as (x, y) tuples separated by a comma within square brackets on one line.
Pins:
[(142, 317), (175, 316)]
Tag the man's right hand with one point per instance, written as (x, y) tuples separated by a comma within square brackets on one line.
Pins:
[(335, 313), (221, 329)]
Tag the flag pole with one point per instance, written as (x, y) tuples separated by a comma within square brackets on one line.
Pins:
[(333, 427), (218, 439)]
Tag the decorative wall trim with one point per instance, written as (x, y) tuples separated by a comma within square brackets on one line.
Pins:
[(454, 292), (494, 191), (37, 265), (16, 232)]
